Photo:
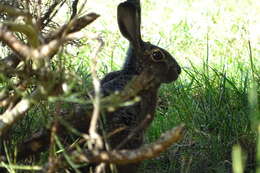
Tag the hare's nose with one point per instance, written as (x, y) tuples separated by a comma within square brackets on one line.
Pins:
[(178, 69)]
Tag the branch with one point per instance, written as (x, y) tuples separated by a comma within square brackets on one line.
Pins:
[(26, 29), (9, 117), (17, 46), (77, 25), (138, 84), (120, 157), (26, 52), (47, 16), (96, 100), (131, 156), (49, 49)]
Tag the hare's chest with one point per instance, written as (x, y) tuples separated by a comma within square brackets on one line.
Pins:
[(148, 104)]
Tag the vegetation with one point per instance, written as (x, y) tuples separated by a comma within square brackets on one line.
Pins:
[(217, 96)]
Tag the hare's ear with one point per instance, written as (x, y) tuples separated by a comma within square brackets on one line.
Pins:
[(129, 21)]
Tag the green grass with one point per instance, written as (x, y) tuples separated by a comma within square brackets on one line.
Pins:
[(216, 113), (215, 95)]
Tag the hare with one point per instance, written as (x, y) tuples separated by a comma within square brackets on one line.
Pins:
[(141, 56)]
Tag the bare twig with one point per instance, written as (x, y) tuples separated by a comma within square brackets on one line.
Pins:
[(96, 101), (25, 52), (44, 21), (78, 24)]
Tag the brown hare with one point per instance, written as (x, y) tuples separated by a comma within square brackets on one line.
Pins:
[(141, 56)]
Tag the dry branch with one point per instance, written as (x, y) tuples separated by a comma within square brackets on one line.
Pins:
[(74, 26), (46, 17), (27, 30), (25, 52), (126, 156), (17, 46), (130, 156), (54, 41), (96, 100)]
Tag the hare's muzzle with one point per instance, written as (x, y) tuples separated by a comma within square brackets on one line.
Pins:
[(178, 69), (173, 73)]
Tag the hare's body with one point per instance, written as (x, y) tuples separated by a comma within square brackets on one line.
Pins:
[(129, 117), (141, 56)]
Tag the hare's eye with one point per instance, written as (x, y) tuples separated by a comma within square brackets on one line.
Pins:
[(157, 55)]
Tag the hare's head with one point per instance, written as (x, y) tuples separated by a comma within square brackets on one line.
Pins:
[(144, 55)]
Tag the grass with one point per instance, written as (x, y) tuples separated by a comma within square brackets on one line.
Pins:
[(219, 88), (216, 113)]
